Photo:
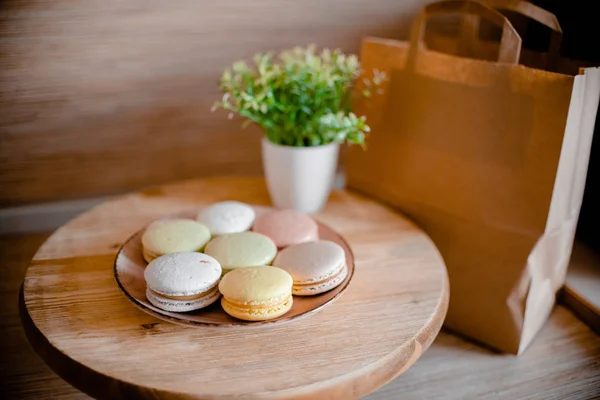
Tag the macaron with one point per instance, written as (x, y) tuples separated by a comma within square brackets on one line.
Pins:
[(287, 227), (182, 282), (316, 267), (173, 235), (241, 250), (227, 217), (256, 294)]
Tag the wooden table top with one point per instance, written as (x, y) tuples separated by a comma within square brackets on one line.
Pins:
[(81, 324)]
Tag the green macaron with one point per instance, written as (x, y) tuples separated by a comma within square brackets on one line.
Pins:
[(241, 250)]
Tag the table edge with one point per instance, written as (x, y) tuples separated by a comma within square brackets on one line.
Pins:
[(101, 386), (377, 373)]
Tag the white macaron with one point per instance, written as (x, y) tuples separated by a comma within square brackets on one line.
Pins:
[(182, 282), (227, 217)]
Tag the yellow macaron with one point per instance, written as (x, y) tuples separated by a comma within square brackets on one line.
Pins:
[(173, 235), (256, 293)]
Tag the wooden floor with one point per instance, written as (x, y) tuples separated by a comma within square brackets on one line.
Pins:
[(563, 362)]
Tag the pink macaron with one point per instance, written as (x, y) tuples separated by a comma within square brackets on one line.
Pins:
[(287, 227), (315, 267)]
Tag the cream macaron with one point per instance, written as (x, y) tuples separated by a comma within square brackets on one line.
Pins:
[(241, 250), (316, 267), (227, 217), (256, 294), (182, 282), (287, 227), (173, 235)]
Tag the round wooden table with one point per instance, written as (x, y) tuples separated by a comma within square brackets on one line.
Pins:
[(83, 326)]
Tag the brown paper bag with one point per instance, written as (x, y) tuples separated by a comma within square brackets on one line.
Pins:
[(489, 158), (467, 42)]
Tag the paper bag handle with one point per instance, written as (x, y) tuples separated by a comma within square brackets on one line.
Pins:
[(530, 10), (510, 43)]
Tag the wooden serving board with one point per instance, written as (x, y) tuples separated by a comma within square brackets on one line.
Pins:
[(129, 274), (81, 324)]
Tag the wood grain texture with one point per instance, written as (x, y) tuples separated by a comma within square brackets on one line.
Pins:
[(563, 363), (22, 373), (99, 97), (81, 324), (582, 286)]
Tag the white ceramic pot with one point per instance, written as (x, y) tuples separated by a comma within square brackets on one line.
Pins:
[(299, 178)]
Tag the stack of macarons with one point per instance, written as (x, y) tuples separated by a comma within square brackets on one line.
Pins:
[(255, 262)]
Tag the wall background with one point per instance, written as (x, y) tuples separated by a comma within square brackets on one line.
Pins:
[(100, 97)]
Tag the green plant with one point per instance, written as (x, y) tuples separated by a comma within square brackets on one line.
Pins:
[(299, 99)]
